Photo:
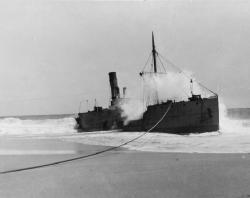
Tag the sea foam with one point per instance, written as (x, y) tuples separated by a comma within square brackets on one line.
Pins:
[(27, 127), (232, 137)]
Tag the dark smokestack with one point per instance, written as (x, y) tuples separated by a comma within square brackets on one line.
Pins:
[(115, 93)]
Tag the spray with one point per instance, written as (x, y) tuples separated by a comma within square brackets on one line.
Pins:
[(228, 125), (132, 109), (171, 86)]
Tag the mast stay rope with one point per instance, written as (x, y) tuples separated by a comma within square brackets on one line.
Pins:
[(185, 74)]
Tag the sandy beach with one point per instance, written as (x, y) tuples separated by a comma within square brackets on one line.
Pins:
[(119, 173)]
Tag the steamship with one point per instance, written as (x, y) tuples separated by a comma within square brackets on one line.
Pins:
[(196, 114)]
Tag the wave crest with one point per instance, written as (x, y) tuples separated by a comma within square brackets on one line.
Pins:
[(17, 126)]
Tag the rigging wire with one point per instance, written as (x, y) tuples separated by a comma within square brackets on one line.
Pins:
[(188, 76), (165, 72), (161, 62), (89, 155), (171, 63), (150, 54)]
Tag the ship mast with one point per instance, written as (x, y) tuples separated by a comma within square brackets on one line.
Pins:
[(155, 58), (154, 53)]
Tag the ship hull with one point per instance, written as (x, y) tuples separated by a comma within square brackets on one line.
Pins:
[(107, 119), (182, 117)]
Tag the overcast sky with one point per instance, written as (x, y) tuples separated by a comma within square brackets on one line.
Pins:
[(53, 54)]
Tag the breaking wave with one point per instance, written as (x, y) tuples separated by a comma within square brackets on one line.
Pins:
[(233, 136), (27, 127)]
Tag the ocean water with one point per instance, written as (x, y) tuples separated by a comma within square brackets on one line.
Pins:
[(233, 136), (38, 125)]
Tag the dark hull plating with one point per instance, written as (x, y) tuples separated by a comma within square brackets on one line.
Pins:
[(183, 117)]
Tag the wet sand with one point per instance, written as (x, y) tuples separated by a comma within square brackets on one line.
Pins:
[(121, 173)]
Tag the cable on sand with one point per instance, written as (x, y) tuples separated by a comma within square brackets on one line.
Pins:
[(89, 155)]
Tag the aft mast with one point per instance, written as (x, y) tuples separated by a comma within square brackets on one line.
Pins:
[(154, 53)]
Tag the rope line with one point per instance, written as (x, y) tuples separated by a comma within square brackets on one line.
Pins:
[(147, 61), (161, 63), (185, 74), (89, 155)]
